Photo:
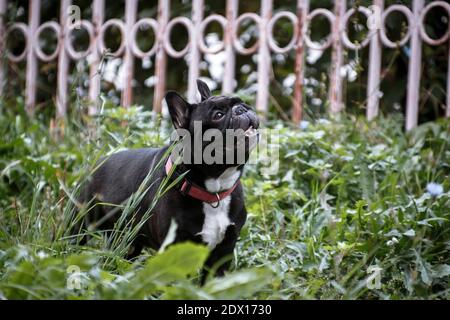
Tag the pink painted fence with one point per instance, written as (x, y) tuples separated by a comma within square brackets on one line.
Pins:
[(337, 41)]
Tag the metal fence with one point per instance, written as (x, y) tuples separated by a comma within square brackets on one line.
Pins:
[(337, 41)]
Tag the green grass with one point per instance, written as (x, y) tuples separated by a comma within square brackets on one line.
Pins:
[(349, 195)]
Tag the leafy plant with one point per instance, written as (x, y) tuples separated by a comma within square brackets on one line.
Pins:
[(349, 196)]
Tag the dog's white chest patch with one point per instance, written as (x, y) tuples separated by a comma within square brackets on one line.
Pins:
[(217, 219), (216, 222)]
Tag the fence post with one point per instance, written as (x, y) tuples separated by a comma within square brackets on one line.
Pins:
[(2, 46), (447, 111), (264, 60), (63, 63), (230, 62), (98, 16), (194, 52), (302, 12), (161, 57), (337, 59), (34, 17), (3, 5), (128, 63), (412, 102), (373, 82)]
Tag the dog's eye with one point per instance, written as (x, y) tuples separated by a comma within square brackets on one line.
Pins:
[(218, 115)]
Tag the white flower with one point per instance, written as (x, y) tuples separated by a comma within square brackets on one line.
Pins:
[(435, 189), (41, 255), (246, 68), (392, 241), (323, 121), (146, 63), (304, 124), (150, 82), (289, 81), (316, 101), (313, 54)]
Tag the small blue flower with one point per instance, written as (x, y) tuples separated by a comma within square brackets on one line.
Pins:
[(435, 189), (79, 91), (304, 124), (407, 51)]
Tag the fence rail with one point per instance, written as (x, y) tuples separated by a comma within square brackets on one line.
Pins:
[(162, 27)]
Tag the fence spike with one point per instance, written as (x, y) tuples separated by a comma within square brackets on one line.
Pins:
[(337, 59), (63, 63), (264, 60), (230, 62), (128, 60), (302, 12), (98, 17), (194, 52), (412, 102), (3, 5), (161, 57), (34, 17), (373, 84), (447, 111)]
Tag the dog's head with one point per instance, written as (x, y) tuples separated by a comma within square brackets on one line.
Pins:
[(223, 116)]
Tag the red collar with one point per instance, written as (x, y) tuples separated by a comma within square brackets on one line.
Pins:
[(194, 191)]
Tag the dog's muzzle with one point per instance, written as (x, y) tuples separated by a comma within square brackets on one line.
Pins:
[(244, 118)]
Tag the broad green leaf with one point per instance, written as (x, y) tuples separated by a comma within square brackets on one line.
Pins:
[(239, 284)]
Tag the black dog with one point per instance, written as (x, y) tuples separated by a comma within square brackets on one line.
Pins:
[(207, 204)]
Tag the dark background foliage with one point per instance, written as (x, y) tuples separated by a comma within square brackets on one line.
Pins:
[(394, 65)]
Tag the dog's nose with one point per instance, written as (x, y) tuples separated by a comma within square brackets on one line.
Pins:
[(239, 109)]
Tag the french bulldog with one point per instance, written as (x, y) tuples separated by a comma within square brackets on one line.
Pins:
[(207, 203)]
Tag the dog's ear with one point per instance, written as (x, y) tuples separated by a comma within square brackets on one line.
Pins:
[(205, 93), (179, 109)]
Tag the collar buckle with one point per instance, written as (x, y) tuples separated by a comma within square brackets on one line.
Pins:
[(215, 206)]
